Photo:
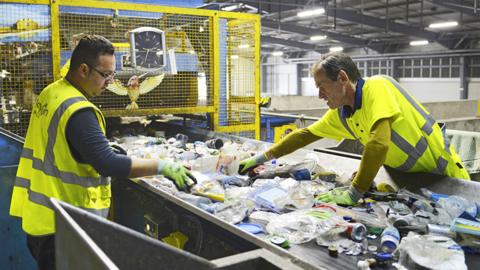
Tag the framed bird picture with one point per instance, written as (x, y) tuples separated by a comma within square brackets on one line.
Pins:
[(148, 51)]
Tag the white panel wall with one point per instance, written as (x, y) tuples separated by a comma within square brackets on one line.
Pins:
[(282, 80), (308, 87), (474, 89), (433, 89)]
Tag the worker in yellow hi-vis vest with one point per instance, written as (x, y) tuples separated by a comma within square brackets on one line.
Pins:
[(66, 155), (394, 127)]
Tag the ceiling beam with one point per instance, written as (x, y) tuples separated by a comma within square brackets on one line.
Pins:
[(458, 5), (289, 43), (352, 16), (290, 27)]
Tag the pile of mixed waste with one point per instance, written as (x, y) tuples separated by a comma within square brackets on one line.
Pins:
[(276, 201)]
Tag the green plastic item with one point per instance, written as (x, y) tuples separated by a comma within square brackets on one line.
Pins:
[(176, 239)]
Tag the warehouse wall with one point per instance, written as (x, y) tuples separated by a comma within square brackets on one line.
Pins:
[(433, 89), (281, 80)]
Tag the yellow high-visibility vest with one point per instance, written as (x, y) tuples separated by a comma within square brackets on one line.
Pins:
[(47, 168), (417, 142)]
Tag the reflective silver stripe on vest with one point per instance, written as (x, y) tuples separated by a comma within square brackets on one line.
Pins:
[(344, 122), (39, 198), (429, 121), (44, 200), (65, 177), (22, 182), (446, 141), (427, 128), (414, 153), (48, 163), (441, 165)]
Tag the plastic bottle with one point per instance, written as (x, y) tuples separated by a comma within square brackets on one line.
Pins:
[(390, 239), (456, 205)]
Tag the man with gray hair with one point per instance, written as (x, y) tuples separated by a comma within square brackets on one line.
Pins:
[(394, 127)]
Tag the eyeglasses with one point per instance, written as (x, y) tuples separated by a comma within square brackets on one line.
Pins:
[(106, 76)]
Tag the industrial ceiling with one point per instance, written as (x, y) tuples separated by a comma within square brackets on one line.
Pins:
[(381, 26)]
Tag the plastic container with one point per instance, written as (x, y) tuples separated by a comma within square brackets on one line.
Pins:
[(356, 231), (456, 205), (390, 239)]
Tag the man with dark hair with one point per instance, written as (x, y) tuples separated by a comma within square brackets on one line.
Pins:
[(394, 127), (66, 154)]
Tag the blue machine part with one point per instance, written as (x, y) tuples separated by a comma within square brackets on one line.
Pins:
[(222, 36), (269, 122), (13, 249)]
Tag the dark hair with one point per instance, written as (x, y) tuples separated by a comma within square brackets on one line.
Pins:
[(89, 49), (332, 63)]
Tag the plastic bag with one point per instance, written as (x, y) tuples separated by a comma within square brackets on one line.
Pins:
[(430, 252), (303, 225)]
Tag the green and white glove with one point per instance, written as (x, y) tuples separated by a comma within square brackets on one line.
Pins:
[(341, 196), (249, 164), (176, 172)]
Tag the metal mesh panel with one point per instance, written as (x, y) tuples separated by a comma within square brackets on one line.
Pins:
[(25, 61), (237, 72), (186, 35), (199, 75)]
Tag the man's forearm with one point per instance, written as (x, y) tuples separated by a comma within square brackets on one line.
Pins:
[(295, 140), (374, 155), (143, 167)]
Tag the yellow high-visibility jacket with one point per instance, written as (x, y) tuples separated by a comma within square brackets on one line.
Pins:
[(47, 168), (417, 141)]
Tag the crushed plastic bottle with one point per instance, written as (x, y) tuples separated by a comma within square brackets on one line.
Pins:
[(456, 205)]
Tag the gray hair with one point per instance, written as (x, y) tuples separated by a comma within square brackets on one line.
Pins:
[(332, 63)]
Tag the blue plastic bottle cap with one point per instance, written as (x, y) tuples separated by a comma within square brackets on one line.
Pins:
[(437, 196), (250, 227), (384, 256), (347, 218)]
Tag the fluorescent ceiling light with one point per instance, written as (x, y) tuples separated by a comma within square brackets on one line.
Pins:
[(418, 42), (234, 56), (243, 46), (312, 12), (314, 38), (277, 53), (443, 24), (191, 52), (232, 7), (336, 49)]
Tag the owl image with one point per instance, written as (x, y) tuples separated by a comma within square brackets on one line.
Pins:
[(134, 88)]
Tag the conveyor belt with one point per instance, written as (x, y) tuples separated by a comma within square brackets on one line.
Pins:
[(310, 255)]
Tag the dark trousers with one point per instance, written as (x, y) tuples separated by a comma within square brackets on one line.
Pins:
[(42, 249)]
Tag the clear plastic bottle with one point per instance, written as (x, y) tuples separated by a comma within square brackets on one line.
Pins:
[(390, 239)]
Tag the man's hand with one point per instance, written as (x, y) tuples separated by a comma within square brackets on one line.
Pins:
[(249, 164), (180, 175), (341, 196)]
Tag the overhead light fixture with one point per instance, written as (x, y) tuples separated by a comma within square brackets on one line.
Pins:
[(336, 49), (313, 12), (191, 52), (277, 53), (315, 38), (234, 56), (443, 24), (418, 42), (231, 8), (243, 46)]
